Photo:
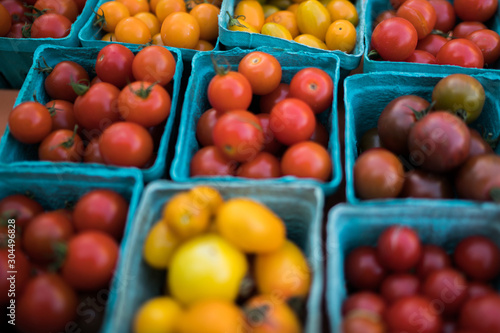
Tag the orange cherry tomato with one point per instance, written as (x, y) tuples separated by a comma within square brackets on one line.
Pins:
[(286, 19), (207, 16), (180, 30), (166, 7), (5, 21), (132, 30), (203, 45), (252, 11), (109, 37), (262, 70), (150, 20), (157, 39), (135, 6), (110, 13)]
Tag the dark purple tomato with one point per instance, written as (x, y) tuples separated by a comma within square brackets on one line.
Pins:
[(433, 258), (477, 289), (370, 139), (423, 184), (479, 178), (396, 286), (413, 314), (481, 314), (363, 270), (421, 57), (478, 145), (448, 290), (399, 248), (478, 257), (364, 300)]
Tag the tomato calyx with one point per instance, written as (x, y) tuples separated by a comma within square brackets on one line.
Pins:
[(419, 114), (60, 252), (257, 315), (233, 20), (45, 68), (37, 12), (80, 88), (142, 92), (374, 55), (26, 30), (221, 69), (52, 109), (70, 142), (447, 35)]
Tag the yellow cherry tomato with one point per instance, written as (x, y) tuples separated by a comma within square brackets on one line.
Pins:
[(311, 41), (157, 39), (152, 5), (293, 8), (239, 24), (206, 267), (151, 21), (110, 13), (341, 35), (135, 6), (159, 246), (276, 30), (158, 315), (203, 45), (166, 7), (281, 4), (313, 18), (207, 16), (207, 196), (252, 11), (286, 19), (132, 30), (109, 37), (180, 30), (343, 10), (269, 10)]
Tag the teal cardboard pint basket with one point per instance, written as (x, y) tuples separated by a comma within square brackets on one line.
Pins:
[(196, 102), (136, 282)]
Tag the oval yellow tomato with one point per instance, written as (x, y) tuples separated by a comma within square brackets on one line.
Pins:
[(166, 7), (286, 19), (158, 315), (313, 18), (159, 246), (132, 30), (276, 30), (311, 41), (110, 13), (180, 30), (343, 10), (341, 35), (151, 22), (252, 12), (207, 16)]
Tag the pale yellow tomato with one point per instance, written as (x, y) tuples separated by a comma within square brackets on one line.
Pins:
[(276, 30)]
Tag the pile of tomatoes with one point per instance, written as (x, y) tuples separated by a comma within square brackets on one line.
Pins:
[(38, 18), (441, 153), (327, 25), (112, 119), (238, 142), (61, 257), (402, 285), (230, 268), (177, 23), (424, 31)]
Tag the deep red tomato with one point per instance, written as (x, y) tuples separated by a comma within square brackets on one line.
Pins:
[(205, 127), (413, 314), (364, 300), (394, 39), (462, 29), (63, 116), (19, 207), (30, 122), (267, 102), (320, 135), (126, 144), (21, 265), (16, 10), (154, 64), (433, 258), (50, 26), (307, 159), (384, 16), (61, 146), (16, 30), (432, 43), (102, 210), (445, 15), (52, 294), (421, 57), (44, 232), (439, 142), (79, 4), (262, 70), (58, 82), (423, 184), (66, 8), (292, 121), (210, 161), (313, 86), (363, 270), (359, 321), (447, 288), (397, 286), (420, 13), (229, 91), (114, 65), (475, 10), (90, 260), (460, 52), (478, 257), (238, 135), (478, 176), (271, 144), (478, 145), (481, 314), (488, 42), (378, 173), (399, 248), (370, 139), (396, 120), (92, 153), (264, 165), (144, 103), (477, 289)]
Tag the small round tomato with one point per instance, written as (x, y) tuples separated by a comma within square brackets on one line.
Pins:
[(114, 65), (102, 210), (422, 184), (64, 7), (421, 14), (488, 42), (180, 30), (364, 300), (478, 144), (448, 288), (238, 135), (268, 101), (394, 39), (313, 18), (384, 16), (477, 177), (126, 144), (310, 40), (166, 7), (252, 12), (399, 248), (363, 270), (343, 10), (262, 70), (292, 121), (156, 39), (433, 258), (17, 11), (378, 173), (477, 289), (445, 15), (421, 57), (132, 30), (203, 45), (460, 52), (16, 30), (62, 114), (92, 153), (30, 122), (205, 127), (432, 43), (58, 83), (314, 86), (154, 64), (110, 13), (90, 261), (210, 161), (264, 165), (207, 16), (135, 6), (481, 314), (462, 29), (61, 146), (341, 35), (399, 285), (229, 91), (5, 21), (271, 145), (413, 314), (50, 26), (150, 20), (370, 139), (286, 19), (19, 207), (475, 10), (307, 159), (478, 257)]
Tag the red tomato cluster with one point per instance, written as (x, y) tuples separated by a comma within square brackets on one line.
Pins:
[(436, 146), (38, 18), (58, 255), (108, 121), (238, 142), (424, 31), (402, 285)]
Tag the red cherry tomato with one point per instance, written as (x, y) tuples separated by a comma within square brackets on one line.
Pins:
[(445, 15), (61, 146), (364, 300), (50, 26), (262, 70), (154, 64), (477, 289), (447, 288), (21, 265), (394, 39), (114, 65), (30, 122), (229, 91), (58, 82), (413, 314), (399, 248), (63, 116), (481, 314), (92, 153), (475, 10), (292, 121), (263, 166), (271, 144), (19, 207), (421, 14), (313, 86), (478, 257), (16, 11), (432, 43), (16, 30), (488, 42), (363, 270), (460, 52), (421, 57), (267, 102), (397, 286), (307, 159), (66, 8), (462, 29), (433, 258), (205, 127), (384, 16), (210, 161)]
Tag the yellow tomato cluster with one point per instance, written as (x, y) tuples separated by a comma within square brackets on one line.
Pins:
[(326, 24), (216, 252), (190, 25)]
